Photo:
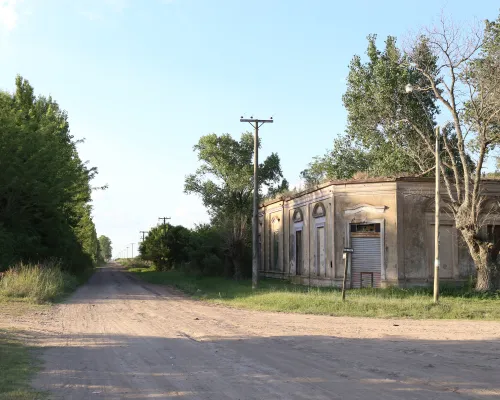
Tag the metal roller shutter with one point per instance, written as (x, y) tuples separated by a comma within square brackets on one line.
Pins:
[(365, 263)]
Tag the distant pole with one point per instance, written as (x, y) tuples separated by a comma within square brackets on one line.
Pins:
[(164, 222), (436, 223), (256, 124), (143, 234), (132, 249)]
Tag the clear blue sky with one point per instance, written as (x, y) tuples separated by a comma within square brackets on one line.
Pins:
[(142, 80)]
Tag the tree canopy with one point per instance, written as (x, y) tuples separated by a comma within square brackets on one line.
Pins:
[(224, 181), (105, 248), (45, 190)]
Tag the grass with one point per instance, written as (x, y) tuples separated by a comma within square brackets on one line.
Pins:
[(281, 296), (37, 283), (17, 365)]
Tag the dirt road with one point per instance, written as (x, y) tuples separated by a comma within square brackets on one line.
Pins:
[(117, 338)]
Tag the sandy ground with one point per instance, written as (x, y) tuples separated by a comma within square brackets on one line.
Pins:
[(118, 338)]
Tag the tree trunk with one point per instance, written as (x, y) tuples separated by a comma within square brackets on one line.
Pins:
[(484, 278), (485, 266), (237, 268)]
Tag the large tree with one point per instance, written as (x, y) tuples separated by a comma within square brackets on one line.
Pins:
[(466, 86), (45, 190), (224, 181), (167, 246), (106, 248), (373, 144)]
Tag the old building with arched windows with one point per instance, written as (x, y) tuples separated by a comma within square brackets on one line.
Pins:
[(388, 223)]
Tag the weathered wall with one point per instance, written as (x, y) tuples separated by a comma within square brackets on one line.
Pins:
[(367, 203), (403, 207)]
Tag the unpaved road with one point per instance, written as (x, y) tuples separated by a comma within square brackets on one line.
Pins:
[(117, 338)]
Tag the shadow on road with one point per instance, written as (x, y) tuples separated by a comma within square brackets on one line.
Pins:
[(284, 367)]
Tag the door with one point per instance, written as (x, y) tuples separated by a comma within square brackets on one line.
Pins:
[(366, 264), (320, 251), (298, 252)]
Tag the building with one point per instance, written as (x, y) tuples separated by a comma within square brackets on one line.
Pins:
[(388, 222)]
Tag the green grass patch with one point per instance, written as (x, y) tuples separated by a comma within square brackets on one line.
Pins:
[(37, 283), (281, 296), (17, 365)]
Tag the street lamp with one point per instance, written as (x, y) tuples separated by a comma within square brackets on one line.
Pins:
[(409, 89)]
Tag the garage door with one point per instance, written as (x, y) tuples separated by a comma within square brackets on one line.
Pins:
[(365, 262)]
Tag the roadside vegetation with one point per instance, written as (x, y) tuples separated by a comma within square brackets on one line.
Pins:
[(45, 187), (37, 283), (280, 296), (17, 364)]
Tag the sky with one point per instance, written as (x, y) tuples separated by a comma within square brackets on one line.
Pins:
[(142, 80)]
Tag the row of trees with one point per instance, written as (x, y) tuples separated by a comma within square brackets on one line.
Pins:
[(455, 72), (45, 189)]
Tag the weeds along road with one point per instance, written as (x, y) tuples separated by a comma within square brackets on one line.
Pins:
[(117, 338)]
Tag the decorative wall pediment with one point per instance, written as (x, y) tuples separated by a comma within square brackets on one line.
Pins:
[(319, 210), (297, 215), (365, 208)]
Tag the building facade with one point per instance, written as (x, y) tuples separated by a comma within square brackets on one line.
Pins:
[(388, 224)]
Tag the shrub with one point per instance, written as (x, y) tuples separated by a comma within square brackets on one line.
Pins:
[(38, 283)]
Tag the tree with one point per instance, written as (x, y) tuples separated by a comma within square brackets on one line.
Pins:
[(105, 248), (166, 246), (342, 162), (45, 190), (374, 98), (224, 182)]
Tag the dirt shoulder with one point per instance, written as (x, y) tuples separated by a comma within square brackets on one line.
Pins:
[(118, 338)]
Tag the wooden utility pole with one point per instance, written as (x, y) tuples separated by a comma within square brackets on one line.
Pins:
[(436, 223), (256, 124), (164, 223), (143, 234)]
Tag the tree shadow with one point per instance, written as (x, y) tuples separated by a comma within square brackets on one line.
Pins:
[(102, 366)]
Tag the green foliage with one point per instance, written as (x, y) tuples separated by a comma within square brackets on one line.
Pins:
[(342, 162), (224, 181), (378, 142), (106, 249), (166, 246), (197, 251), (37, 283), (206, 254), (378, 106), (45, 190)]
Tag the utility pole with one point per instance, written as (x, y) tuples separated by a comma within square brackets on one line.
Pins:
[(436, 222), (256, 124), (164, 222), (410, 89), (132, 249), (143, 234)]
